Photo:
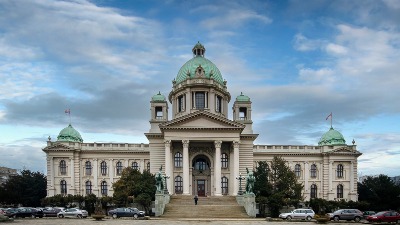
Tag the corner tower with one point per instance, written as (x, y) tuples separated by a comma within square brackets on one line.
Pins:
[(159, 112), (242, 112), (199, 86)]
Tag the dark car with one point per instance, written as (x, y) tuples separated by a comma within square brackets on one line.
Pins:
[(346, 214), (51, 212), (36, 212), (20, 212), (126, 212), (368, 213), (385, 216)]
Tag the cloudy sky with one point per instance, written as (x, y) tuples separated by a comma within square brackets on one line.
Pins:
[(104, 59)]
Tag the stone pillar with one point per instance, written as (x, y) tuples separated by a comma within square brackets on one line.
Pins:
[(111, 171), (168, 167), (51, 172), (250, 204), (330, 176), (186, 180), (159, 204), (72, 185), (351, 177), (217, 163), (306, 174), (235, 166), (141, 165), (95, 176)]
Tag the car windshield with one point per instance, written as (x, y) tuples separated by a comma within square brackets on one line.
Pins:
[(338, 211), (380, 213)]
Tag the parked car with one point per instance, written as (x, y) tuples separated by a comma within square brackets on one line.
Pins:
[(304, 214), (126, 212), (37, 212), (368, 213), (2, 211), (73, 212), (51, 212), (346, 214), (385, 216), (20, 212)]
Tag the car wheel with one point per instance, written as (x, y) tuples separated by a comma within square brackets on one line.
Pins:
[(33, 216), (289, 218), (79, 216), (135, 216), (336, 218), (357, 219), (15, 216), (61, 216), (44, 215), (308, 218), (115, 216)]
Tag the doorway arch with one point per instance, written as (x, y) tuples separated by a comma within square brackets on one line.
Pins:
[(201, 175)]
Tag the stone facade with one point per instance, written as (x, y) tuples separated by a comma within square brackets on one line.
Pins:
[(201, 150)]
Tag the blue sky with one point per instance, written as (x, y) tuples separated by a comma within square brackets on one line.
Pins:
[(297, 61)]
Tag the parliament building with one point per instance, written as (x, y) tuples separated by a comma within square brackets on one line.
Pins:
[(199, 148)]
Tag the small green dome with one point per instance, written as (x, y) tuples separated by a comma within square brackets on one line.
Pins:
[(332, 137), (242, 98), (190, 67), (69, 134), (158, 98)]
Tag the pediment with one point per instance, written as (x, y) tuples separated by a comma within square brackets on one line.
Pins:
[(344, 150), (57, 147), (201, 120)]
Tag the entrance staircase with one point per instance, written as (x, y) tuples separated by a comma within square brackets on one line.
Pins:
[(182, 206)]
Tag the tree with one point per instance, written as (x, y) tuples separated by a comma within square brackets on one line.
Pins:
[(26, 188), (277, 185), (380, 192), (134, 185)]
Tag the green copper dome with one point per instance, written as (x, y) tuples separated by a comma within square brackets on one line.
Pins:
[(158, 98), (242, 98), (69, 134), (332, 137), (189, 69)]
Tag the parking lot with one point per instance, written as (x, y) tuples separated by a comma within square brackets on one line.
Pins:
[(158, 221)]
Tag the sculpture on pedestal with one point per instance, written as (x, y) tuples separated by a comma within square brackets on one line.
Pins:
[(250, 179)]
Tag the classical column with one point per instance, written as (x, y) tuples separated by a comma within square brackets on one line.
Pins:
[(236, 165), (71, 160), (330, 175), (217, 170), (51, 172), (351, 177), (95, 174), (111, 171), (141, 165), (186, 180), (168, 167), (306, 174)]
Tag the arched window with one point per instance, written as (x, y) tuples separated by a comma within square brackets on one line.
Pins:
[(135, 166), (63, 187), (339, 191), (178, 159), (63, 167), (339, 171), (88, 185), (201, 164), (313, 171), (88, 168), (178, 185), (224, 185), (103, 187), (103, 168), (119, 168), (297, 170), (224, 160), (313, 193)]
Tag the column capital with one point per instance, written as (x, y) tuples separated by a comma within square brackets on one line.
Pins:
[(185, 143), (218, 144), (167, 143), (95, 160), (236, 144)]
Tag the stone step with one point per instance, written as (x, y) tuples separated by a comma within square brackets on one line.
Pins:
[(208, 207)]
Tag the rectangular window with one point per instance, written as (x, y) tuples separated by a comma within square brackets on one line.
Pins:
[(159, 113), (218, 104), (200, 99), (242, 113), (181, 103)]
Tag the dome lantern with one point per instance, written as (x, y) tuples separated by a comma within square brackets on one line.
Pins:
[(198, 50)]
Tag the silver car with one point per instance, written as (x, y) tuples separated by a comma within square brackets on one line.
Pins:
[(73, 212), (304, 214)]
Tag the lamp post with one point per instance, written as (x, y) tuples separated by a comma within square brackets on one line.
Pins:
[(240, 178), (165, 184)]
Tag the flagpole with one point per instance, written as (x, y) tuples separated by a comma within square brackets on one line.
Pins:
[(331, 119)]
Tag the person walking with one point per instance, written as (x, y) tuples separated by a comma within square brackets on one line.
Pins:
[(195, 199)]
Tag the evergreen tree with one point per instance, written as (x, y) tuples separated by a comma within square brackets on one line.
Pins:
[(276, 185)]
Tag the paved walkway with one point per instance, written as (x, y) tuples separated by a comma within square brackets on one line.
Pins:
[(156, 221)]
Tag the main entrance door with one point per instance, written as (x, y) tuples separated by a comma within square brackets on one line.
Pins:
[(201, 187)]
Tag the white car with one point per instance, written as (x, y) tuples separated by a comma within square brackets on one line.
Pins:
[(304, 214), (73, 212)]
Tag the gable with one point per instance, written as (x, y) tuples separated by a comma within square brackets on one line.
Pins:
[(57, 147), (344, 150), (202, 120)]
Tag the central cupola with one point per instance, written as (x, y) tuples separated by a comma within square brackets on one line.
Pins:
[(199, 86)]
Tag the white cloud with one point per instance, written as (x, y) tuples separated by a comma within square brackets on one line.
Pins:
[(302, 43), (336, 49)]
